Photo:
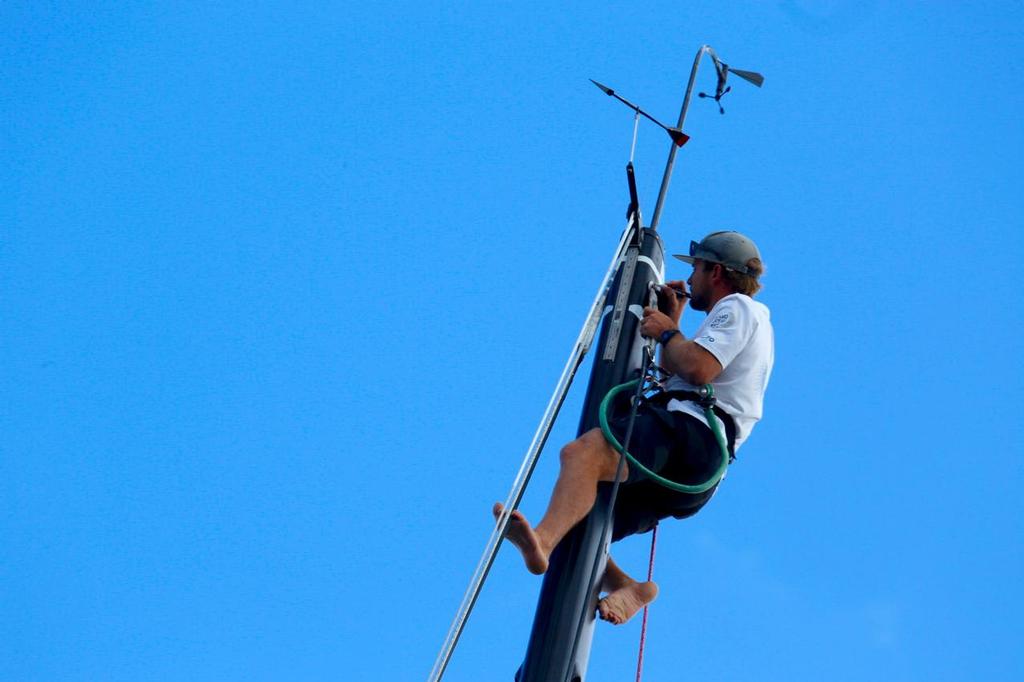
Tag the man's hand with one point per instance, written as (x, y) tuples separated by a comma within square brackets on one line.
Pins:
[(655, 323), (671, 304)]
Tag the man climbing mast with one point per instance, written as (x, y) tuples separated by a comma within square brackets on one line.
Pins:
[(733, 350)]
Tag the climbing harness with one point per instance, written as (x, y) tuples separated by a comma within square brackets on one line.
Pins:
[(706, 399), (648, 370)]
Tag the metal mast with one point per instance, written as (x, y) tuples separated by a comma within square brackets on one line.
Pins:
[(559, 645), (563, 625)]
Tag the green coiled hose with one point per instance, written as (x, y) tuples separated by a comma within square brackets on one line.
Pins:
[(672, 485)]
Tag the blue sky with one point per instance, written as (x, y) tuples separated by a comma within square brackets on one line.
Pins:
[(286, 288)]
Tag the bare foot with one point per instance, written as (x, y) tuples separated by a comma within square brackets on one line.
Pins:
[(524, 538), (622, 604)]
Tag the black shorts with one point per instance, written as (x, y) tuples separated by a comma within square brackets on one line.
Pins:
[(674, 445)]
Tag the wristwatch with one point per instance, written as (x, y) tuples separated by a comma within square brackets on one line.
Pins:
[(666, 336)]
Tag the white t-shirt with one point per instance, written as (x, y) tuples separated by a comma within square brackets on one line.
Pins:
[(738, 332)]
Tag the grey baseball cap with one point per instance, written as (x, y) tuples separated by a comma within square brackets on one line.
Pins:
[(731, 249)]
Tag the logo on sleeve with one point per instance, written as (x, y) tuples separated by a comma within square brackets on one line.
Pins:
[(719, 320)]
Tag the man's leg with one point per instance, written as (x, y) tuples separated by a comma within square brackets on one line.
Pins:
[(584, 462), (625, 595)]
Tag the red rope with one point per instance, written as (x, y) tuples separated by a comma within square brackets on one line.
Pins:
[(643, 627)]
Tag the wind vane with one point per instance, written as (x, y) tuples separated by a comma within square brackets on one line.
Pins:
[(723, 70), (678, 136)]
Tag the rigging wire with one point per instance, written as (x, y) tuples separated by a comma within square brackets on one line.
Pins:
[(643, 626), (583, 343), (600, 558), (636, 129)]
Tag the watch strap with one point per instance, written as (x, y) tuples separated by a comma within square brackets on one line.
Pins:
[(666, 336)]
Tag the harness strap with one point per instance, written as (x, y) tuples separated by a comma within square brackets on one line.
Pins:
[(662, 399), (610, 436)]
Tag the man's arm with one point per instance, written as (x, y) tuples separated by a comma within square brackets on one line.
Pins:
[(690, 360), (681, 356)]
